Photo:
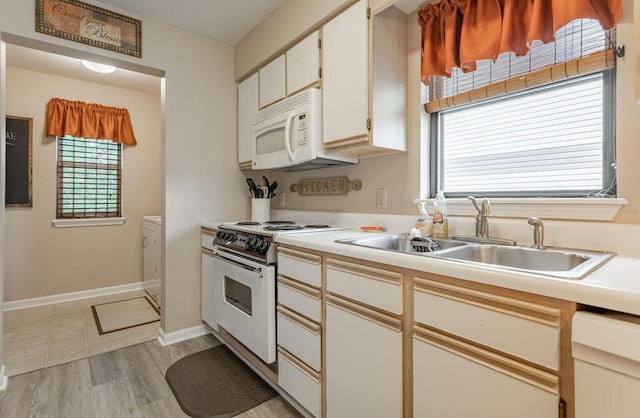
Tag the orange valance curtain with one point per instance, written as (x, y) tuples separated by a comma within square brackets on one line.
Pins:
[(89, 120), (457, 33)]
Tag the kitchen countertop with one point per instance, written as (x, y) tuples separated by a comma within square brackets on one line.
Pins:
[(614, 286)]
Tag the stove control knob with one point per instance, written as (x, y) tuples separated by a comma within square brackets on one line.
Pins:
[(263, 247), (251, 242)]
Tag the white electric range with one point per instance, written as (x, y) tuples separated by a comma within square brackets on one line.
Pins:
[(244, 281)]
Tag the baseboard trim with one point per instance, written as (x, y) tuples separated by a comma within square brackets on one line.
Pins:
[(166, 339), (83, 294)]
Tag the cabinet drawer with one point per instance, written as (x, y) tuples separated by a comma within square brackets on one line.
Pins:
[(375, 287), (301, 266), (302, 383), (300, 298), (491, 385), (523, 329), (299, 336)]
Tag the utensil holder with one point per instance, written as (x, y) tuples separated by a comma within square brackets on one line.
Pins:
[(260, 210)]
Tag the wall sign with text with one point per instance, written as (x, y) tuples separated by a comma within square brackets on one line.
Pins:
[(90, 25), (19, 162)]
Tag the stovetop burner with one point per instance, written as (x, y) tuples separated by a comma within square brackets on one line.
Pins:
[(248, 223), (282, 227), (317, 226), (279, 222)]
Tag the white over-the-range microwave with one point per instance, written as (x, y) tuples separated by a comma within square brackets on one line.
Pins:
[(287, 135)]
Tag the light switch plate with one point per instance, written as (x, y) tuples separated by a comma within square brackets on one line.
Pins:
[(381, 198)]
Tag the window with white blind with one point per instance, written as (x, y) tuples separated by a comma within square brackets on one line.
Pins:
[(89, 178), (509, 129)]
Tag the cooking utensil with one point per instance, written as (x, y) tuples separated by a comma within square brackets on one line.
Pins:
[(252, 187), (259, 194), (272, 188)]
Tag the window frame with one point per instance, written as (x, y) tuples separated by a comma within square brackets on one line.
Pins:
[(99, 218), (609, 144)]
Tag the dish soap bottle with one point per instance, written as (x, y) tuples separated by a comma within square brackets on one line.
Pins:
[(440, 221), (423, 220)]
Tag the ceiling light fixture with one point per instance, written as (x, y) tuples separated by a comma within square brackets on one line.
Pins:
[(98, 68)]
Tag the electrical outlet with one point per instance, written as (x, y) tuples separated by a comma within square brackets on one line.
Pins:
[(282, 199), (381, 198)]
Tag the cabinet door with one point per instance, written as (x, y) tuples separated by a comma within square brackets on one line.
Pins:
[(345, 79), (453, 379), (272, 82), (303, 64), (363, 362), (207, 289), (247, 108)]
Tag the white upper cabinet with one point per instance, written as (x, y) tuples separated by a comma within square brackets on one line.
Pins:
[(344, 75), (272, 82), (247, 108), (364, 81), (303, 64)]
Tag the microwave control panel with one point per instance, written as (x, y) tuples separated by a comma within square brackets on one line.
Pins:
[(301, 129)]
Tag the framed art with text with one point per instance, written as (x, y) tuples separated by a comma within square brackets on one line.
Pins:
[(90, 25)]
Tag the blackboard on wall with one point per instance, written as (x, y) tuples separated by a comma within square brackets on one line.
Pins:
[(19, 161)]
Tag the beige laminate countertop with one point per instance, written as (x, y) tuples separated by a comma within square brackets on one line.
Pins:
[(615, 285)]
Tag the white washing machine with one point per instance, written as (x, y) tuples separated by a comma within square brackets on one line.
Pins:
[(152, 255)]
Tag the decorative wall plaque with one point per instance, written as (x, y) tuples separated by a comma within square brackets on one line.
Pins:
[(328, 186), (90, 25)]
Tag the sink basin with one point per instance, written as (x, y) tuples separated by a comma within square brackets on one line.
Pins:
[(398, 242), (571, 264), (568, 264)]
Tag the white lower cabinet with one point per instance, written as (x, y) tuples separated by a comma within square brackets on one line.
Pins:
[(363, 368), (207, 288), (454, 379)]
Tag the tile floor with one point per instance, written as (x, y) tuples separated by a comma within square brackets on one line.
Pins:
[(44, 336)]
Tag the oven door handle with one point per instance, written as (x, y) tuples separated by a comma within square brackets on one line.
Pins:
[(237, 261)]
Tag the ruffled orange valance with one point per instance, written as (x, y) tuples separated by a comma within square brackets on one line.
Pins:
[(457, 33), (89, 120)]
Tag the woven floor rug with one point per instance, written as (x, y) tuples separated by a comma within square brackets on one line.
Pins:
[(123, 314), (215, 383)]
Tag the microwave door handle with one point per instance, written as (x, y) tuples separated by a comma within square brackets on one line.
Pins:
[(287, 134)]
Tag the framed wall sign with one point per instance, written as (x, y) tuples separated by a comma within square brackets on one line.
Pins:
[(19, 162), (90, 25)]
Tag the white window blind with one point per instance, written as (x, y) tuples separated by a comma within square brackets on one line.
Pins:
[(505, 146), (89, 178)]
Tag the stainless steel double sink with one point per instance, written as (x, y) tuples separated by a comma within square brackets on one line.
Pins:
[(564, 263)]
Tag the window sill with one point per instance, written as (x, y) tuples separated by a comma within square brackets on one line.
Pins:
[(582, 209), (72, 223)]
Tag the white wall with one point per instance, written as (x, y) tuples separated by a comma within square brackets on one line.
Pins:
[(200, 178)]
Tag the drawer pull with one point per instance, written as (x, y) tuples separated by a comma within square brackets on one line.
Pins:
[(379, 318), (299, 287), (299, 255), (299, 364), (365, 271), (521, 309), (517, 370), (299, 319)]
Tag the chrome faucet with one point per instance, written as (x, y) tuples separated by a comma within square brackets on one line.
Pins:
[(482, 218), (538, 233), (482, 226)]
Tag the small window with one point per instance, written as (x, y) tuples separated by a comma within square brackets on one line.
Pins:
[(89, 178), (552, 140)]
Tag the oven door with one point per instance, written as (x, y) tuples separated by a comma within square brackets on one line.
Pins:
[(244, 302)]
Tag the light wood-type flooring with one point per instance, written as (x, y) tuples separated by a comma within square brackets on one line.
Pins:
[(128, 382), (44, 336)]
